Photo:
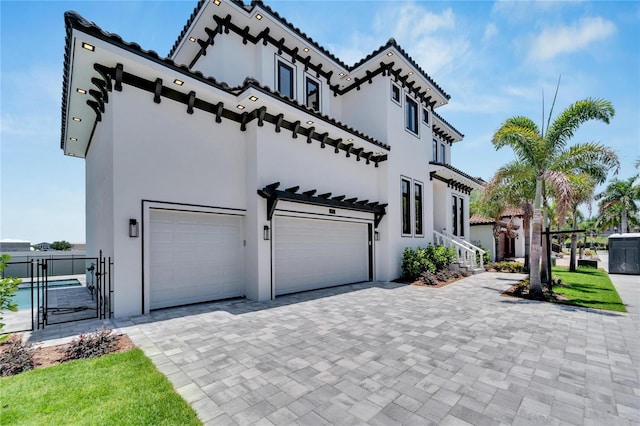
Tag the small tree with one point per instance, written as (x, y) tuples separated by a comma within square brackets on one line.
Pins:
[(60, 245), (8, 287)]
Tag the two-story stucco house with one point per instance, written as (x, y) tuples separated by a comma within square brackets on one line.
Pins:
[(252, 162)]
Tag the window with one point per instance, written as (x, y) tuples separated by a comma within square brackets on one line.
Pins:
[(285, 79), (435, 151), (443, 154), (454, 210), (312, 94), (425, 116), (417, 196), (461, 214), (395, 93), (411, 115), (406, 207)]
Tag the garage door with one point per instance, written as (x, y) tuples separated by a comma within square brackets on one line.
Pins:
[(194, 257), (311, 254)]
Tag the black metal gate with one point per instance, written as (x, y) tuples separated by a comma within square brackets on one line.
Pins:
[(57, 290), (60, 304)]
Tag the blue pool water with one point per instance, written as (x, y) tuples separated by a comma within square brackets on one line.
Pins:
[(23, 296)]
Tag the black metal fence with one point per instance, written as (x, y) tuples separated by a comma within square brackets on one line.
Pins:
[(56, 301)]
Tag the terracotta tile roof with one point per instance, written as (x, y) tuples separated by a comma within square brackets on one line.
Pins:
[(513, 211), (477, 219)]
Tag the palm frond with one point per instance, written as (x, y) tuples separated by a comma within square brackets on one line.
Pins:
[(592, 158), (568, 121), (561, 187)]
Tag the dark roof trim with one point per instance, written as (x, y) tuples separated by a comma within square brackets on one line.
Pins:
[(448, 124), (115, 77), (273, 195), (451, 183), (458, 171), (257, 3), (74, 21)]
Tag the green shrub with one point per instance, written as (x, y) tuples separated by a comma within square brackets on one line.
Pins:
[(512, 267), (8, 287), (429, 259), (15, 357), (91, 345)]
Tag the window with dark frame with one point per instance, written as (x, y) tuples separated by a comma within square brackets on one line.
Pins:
[(454, 210), (285, 80), (443, 154), (406, 207), (435, 151), (312, 94), (425, 116), (461, 215), (417, 196), (411, 115), (395, 94)]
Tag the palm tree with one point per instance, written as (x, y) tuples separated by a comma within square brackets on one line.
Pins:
[(514, 183), (583, 186), (551, 160), (620, 198)]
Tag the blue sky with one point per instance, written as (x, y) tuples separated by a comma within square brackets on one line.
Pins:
[(495, 59)]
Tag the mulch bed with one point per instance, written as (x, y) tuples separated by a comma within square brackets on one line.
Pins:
[(422, 284), (45, 356)]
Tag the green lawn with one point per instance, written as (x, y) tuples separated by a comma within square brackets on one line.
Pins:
[(589, 288), (116, 389)]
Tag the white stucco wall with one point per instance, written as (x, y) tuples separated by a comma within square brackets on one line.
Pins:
[(482, 235)]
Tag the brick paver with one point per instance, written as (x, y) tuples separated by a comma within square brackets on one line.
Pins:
[(384, 353)]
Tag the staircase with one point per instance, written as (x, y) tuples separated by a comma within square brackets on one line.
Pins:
[(466, 253)]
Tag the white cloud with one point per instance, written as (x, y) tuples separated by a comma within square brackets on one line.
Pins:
[(489, 32), (566, 39)]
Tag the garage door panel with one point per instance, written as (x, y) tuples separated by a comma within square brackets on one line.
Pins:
[(195, 257), (311, 254)]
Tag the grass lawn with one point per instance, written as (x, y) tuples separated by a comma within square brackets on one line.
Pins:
[(121, 388), (589, 288)]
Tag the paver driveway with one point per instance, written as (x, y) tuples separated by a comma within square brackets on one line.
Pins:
[(396, 354)]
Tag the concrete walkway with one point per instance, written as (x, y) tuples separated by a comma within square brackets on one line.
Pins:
[(386, 354)]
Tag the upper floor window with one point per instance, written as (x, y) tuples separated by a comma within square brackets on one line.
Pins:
[(461, 216), (435, 151), (411, 115), (443, 154), (454, 215), (425, 116), (395, 93), (312, 93), (406, 206), (285, 79)]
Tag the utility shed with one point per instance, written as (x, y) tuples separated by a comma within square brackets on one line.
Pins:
[(624, 254)]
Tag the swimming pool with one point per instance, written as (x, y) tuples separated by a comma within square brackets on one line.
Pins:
[(23, 296)]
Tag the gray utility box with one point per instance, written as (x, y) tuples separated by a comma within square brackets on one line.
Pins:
[(624, 254)]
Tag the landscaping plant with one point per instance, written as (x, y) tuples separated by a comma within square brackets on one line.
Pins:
[(15, 357), (426, 259), (8, 287), (91, 345)]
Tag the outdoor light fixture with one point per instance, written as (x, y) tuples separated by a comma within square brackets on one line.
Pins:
[(266, 233), (341, 74), (309, 122), (192, 39), (350, 140), (390, 54), (71, 154), (348, 78), (410, 72), (78, 119), (376, 235), (88, 46), (258, 17), (306, 49), (216, 2), (81, 91), (253, 98), (133, 228), (240, 107), (178, 82), (73, 139)]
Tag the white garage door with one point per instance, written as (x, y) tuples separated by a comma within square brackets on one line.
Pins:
[(194, 257), (311, 254)]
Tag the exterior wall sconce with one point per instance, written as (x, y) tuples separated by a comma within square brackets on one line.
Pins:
[(376, 235), (133, 228), (266, 233)]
